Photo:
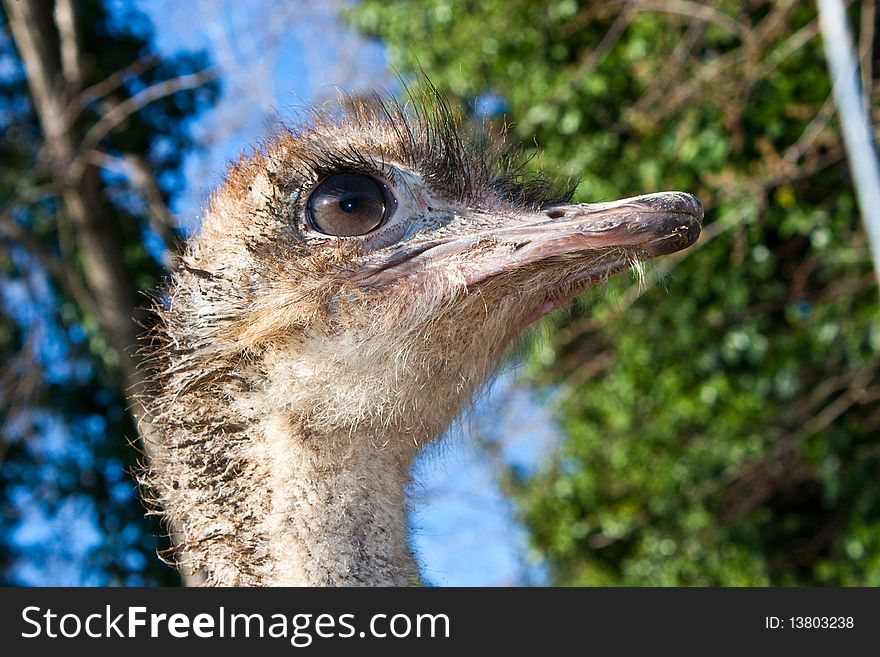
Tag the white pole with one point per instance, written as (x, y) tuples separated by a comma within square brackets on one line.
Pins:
[(856, 123)]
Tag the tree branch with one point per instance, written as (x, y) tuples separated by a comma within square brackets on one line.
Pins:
[(106, 86), (65, 21), (121, 111), (142, 177)]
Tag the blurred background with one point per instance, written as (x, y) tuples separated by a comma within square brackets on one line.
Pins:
[(716, 424)]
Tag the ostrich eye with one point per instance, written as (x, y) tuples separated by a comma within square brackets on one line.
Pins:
[(349, 204)]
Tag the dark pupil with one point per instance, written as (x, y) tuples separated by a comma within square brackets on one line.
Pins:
[(347, 204)]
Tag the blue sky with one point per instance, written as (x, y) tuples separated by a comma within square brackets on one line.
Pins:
[(277, 58)]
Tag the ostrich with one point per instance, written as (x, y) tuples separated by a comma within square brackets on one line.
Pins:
[(351, 287)]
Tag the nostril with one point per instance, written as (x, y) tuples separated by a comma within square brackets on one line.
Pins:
[(556, 213)]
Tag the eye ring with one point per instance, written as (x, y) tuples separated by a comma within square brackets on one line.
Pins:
[(349, 204)]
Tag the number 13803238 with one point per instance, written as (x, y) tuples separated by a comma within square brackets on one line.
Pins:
[(809, 622)]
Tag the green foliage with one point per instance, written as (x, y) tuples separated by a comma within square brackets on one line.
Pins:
[(721, 425)]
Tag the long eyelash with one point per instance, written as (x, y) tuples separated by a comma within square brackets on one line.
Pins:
[(370, 133)]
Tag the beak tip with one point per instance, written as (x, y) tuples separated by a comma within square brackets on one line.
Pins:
[(677, 222)]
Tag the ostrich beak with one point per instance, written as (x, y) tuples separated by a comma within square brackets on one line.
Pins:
[(601, 237)]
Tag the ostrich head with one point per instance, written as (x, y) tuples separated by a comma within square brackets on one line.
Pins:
[(349, 290)]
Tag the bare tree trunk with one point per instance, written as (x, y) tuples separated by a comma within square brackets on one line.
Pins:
[(854, 118), (45, 36)]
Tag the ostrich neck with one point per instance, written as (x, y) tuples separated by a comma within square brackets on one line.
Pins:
[(337, 510)]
